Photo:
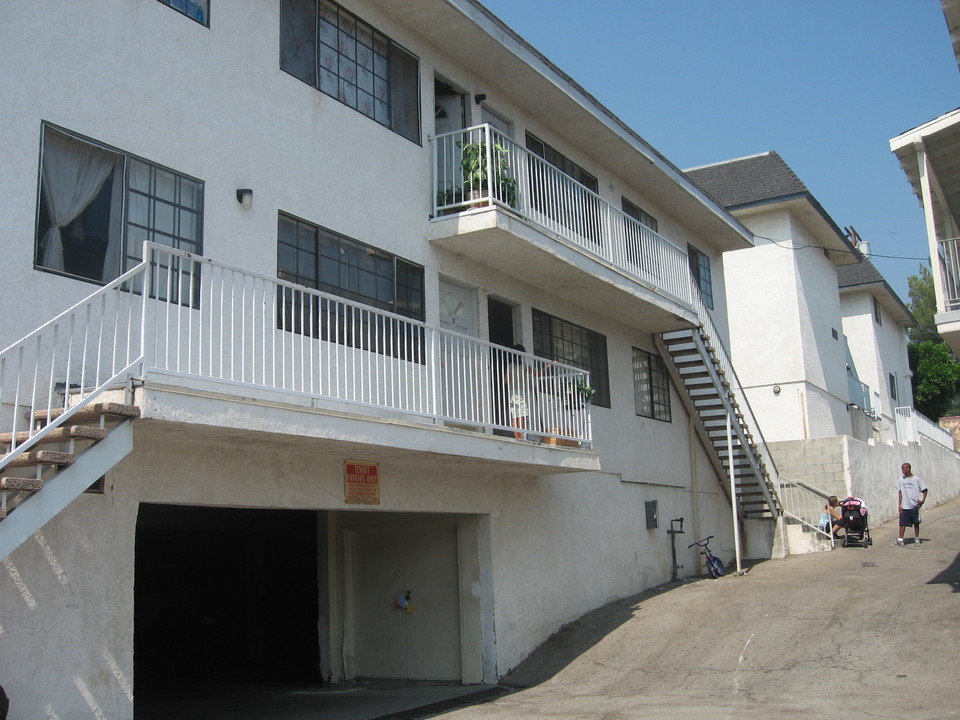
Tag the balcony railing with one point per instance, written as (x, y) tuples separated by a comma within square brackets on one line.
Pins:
[(950, 273), (190, 316), (481, 167), (860, 394), (912, 424)]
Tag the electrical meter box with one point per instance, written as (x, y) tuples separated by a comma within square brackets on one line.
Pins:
[(653, 516)]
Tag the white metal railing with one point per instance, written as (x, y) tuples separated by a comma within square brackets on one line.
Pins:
[(806, 504), (949, 251), (730, 375), (912, 424), (480, 166), (65, 363), (188, 315)]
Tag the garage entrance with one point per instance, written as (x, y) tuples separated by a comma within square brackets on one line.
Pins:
[(224, 594)]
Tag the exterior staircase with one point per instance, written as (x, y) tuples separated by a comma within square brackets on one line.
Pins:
[(64, 462), (698, 366)]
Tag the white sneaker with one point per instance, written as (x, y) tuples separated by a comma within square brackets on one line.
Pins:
[(899, 542)]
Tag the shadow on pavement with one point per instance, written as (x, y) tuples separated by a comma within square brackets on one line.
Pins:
[(578, 636), (949, 575)]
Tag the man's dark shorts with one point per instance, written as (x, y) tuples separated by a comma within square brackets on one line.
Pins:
[(909, 517)]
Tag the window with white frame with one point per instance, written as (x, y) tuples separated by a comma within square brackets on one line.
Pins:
[(893, 387), (877, 318), (98, 205), (651, 385), (196, 9), (558, 339), (333, 50), (700, 269)]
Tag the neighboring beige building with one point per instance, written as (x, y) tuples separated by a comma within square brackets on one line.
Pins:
[(952, 425)]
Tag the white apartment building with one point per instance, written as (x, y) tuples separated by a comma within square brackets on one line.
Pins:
[(786, 332), (268, 263), (875, 324)]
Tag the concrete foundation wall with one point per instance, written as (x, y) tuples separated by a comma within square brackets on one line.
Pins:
[(844, 466)]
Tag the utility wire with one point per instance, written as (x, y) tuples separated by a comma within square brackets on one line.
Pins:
[(848, 252)]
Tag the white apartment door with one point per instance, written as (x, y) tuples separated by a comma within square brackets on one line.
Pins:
[(463, 364), (422, 641)]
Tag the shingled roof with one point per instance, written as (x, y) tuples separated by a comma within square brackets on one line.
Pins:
[(747, 180), (864, 275)]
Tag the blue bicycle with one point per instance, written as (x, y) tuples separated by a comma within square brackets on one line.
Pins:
[(714, 564)]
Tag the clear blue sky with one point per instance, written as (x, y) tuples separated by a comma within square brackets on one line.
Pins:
[(825, 83)]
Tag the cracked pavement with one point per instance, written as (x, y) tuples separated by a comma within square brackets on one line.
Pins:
[(855, 633)]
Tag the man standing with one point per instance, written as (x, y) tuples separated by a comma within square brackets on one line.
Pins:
[(911, 494)]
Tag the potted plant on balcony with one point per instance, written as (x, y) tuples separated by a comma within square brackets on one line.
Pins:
[(476, 172), (586, 391), (450, 200)]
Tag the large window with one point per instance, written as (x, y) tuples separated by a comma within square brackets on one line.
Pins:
[(561, 162), (642, 250), (97, 205), (651, 385), (638, 214), (557, 339), (330, 48), (196, 9), (324, 260), (568, 203), (700, 269)]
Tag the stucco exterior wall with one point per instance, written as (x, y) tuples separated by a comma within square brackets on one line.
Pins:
[(784, 312), (561, 545), (878, 350), (213, 104)]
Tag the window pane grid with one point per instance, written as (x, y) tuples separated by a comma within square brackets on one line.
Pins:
[(557, 339), (348, 59), (651, 386), (162, 207)]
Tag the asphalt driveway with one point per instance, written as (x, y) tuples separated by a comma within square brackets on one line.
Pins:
[(853, 633)]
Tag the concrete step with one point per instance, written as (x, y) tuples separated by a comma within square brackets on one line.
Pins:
[(42, 457), (60, 434), (92, 413)]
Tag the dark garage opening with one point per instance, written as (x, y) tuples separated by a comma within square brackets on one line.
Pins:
[(224, 595)]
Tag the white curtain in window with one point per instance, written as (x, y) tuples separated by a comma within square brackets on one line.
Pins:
[(73, 173)]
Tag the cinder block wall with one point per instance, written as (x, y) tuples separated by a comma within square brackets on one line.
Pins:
[(819, 462)]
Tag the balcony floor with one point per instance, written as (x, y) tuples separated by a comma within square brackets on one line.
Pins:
[(255, 418), (501, 240)]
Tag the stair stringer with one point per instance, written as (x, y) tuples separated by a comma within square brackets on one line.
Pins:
[(64, 487), (737, 426), (695, 418)]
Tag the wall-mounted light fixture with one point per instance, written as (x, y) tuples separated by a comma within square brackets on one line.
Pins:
[(479, 98), (776, 389), (852, 406), (245, 198)]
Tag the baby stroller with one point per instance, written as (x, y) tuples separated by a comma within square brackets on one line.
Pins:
[(855, 525)]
